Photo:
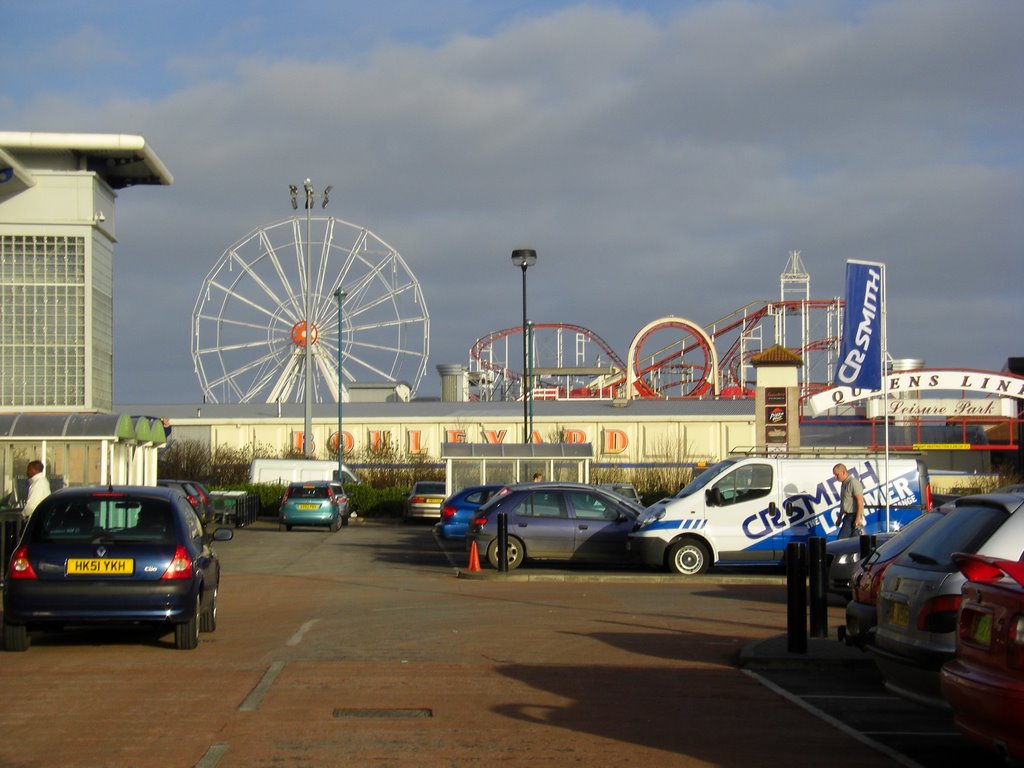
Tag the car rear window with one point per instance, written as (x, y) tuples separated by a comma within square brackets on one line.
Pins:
[(117, 517), (430, 488), (308, 492), (965, 529)]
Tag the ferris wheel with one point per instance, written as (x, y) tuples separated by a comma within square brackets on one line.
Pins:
[(249, 331)]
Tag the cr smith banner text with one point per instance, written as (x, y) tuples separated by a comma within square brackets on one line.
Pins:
[(860, 353)]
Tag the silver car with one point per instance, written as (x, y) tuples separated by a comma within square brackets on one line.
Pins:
[(920, 595)]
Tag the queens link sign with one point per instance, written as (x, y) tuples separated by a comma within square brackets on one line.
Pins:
[(986, 384), (860, 354)]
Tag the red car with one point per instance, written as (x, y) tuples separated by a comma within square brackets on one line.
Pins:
[(985, 683)]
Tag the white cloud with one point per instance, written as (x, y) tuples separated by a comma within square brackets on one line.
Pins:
[(659, 166)]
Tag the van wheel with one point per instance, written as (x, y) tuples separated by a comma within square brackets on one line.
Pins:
[(688, 557)]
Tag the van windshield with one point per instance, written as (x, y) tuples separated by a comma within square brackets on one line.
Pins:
[(704, 478)]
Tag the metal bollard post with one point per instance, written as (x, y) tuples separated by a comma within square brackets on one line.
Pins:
[(818, 571), (868, 544), (796, 600), (502, 542)]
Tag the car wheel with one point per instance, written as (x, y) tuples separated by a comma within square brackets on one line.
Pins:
[(16, 637), (186, 634), (514, 548), (208, 618), (344, 520), (688, 557)]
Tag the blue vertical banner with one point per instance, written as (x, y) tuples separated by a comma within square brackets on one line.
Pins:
[(860, 351)]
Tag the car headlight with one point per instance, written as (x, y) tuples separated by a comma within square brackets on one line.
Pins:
[(848, 558), (652, 515)]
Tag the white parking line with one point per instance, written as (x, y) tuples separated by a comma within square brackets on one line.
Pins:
[(297, 637), (252, 701), (839, 724)]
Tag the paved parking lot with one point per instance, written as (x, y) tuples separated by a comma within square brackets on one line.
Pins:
[(363, 648)]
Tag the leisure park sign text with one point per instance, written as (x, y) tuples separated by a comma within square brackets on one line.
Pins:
[(981, 383)]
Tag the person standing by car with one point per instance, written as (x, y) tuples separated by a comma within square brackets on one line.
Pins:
[(851, 503), (38, 487)]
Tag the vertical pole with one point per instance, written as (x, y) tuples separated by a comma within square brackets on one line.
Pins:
[(340, 294), (796, 597), (530, 362), (307, 435), (818, 571), (502, 542), (526, 380)]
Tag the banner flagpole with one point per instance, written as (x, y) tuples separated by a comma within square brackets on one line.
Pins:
[(885, 386)]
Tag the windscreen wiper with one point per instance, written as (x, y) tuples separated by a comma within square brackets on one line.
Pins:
[(917, 557)]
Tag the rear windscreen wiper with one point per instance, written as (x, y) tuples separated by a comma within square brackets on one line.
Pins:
[(917, 557)]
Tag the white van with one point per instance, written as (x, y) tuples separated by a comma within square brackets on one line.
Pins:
[(745, 511), (284, 471)]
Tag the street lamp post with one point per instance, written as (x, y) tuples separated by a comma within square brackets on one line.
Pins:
[(530, 362), (340, 296), (524, 258), (309, 334)]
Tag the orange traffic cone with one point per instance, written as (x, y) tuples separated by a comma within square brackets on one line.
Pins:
[(474, 558)]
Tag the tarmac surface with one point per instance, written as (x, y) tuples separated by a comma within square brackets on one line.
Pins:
[(371, 647)]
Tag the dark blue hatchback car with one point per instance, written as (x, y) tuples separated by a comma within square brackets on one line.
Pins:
[(113, 555)]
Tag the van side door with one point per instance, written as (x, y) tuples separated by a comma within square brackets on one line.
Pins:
[(743, 515)]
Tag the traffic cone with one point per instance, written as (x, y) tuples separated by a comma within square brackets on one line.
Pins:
[(474, 559)]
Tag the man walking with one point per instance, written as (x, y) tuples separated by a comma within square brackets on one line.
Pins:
[(851, 503), (38, 488)]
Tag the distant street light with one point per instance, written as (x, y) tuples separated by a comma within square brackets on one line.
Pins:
[(309, 334), (524, 258)]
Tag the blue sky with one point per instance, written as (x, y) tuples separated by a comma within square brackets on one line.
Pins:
[(663, 158)]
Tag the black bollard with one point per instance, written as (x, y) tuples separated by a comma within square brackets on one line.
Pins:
[(502, 542), (818, 572), (796, 601), (868, 544)]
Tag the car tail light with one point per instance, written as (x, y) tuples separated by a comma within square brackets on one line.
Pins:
[(939, 614), (417, 500), (927, 496), (448, 511), (1015, 643), (876, 583), (180, 566), (21, 568), (482, 520)]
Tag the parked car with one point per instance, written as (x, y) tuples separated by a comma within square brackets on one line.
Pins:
[(556, 521), (843, 555), (984, 684), (424, 500), (341, 500), (458, 509), (309, 504), (920, 595), (113, 555), (866, 581), (623, 489), (196, 494)]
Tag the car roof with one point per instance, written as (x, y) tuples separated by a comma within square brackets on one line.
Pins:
[(156, 491)]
